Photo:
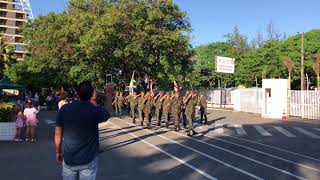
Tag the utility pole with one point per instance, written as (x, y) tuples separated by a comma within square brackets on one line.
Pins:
[(302, 63)]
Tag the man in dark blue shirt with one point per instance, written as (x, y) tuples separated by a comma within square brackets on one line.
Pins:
[(77, 124)]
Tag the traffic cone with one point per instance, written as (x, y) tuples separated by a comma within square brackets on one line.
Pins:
[(284, 115)]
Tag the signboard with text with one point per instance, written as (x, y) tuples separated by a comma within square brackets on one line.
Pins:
[(225, 64)]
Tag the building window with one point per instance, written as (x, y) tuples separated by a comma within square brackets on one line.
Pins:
[(19, 40), (19, 23), (17, 7), (2, 30), (3, 13), (3, 5), (20, 48), (3, 22), (19, 16)]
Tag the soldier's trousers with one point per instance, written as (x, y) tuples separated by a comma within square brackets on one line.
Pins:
[(166, 117), (184, 117), (133, 114), (203, 113), (190, 122), (176, 120), (120, 111), (141, 115), (116, 109), (148, 117), (159, 115)]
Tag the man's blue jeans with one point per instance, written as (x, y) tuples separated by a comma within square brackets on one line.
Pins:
[(82, 172)]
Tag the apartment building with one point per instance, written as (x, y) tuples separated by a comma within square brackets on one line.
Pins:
[(13, 14)]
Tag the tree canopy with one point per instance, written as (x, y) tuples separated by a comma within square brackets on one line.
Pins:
[(150, 37)]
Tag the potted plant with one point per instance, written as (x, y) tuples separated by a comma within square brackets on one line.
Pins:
[(7, 121)]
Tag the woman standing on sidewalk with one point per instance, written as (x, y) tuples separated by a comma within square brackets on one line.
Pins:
[(30, 114)]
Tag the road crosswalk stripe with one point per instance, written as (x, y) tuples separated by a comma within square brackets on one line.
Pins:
[(239, 129), (310, 134), (284, 131), (262, 131)]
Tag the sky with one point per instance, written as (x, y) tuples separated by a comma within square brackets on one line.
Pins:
[(212, 19)]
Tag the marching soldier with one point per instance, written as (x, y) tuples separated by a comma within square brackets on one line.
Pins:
[(141, 106), (202, 102), (120, 103), (183, 111), (148, 104), (158, 104), (133, 100), (176, 110), (166, 108), (190, 104), (115, 103)]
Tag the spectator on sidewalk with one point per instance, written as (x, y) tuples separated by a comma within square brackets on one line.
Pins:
[(20, 121), (36, 100), (30, 114), (77, 125), (49, 102)]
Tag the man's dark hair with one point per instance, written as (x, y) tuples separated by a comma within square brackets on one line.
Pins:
[(85, 91)]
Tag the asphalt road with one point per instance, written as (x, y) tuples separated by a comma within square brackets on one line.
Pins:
[(233, 146)]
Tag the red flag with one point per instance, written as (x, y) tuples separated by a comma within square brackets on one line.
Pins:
[(176, 86)]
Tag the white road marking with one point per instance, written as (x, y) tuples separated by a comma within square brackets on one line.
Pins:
[(231, 152), (239, 129), (261, 152), (262, 131), (303, 131), (276, 148), (201, 153), (168, 154), (50, 122), (317, 129), (284, 131)]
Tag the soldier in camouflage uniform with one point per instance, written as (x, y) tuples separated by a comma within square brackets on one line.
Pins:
[(166, 105), (183, 111), (147, 109), (176, 102), (115, 103), (190, 104), (133, 100), (120, 103), (202, 102), (141, 106), (158, 104)]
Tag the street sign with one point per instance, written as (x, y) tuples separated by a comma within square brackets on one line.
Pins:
[(225, 64)]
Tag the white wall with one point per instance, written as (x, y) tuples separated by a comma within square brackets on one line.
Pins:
[(274, 106)]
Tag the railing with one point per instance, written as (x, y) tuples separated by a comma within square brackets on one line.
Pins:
[(305, 104)]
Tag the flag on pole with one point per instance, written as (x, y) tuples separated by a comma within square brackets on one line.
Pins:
[(132, 84), (176, 86)]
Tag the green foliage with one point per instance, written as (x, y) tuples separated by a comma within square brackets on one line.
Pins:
[(150, 37), (254, 63), (7, 56), (7, 112)]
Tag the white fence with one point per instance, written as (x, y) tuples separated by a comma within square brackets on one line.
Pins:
[(305, 104), (247, 100)]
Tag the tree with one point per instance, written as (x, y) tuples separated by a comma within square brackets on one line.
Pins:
[(289, 64), (7, 56), (94, 37), (316, 68)]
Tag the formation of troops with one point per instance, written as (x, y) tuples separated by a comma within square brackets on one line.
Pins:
[(165, 106)]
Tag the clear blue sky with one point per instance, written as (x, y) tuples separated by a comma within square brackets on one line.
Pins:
[(211, 19)]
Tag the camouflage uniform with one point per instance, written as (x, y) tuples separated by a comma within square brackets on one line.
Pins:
[(148, 104), (133, 106), (202, 102), (183, 112), (190, 113), (176, 111), (158, 104), (120, 104), (166, 109), (140, 109), (116, 105)]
